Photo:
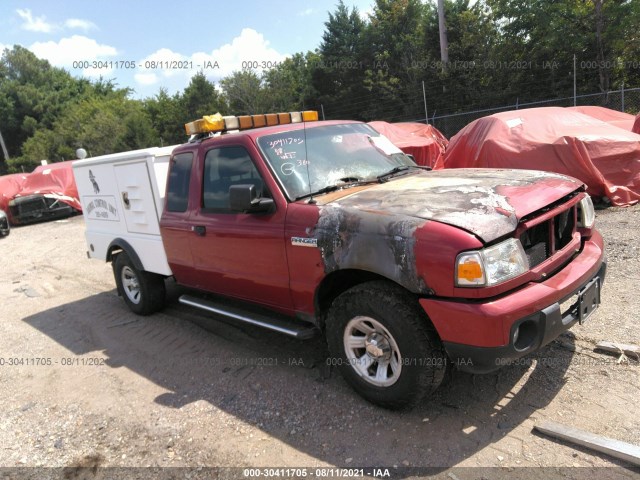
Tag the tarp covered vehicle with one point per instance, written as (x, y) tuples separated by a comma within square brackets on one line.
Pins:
[(48, 192), (554, 139), (424, 142), (612, 117), (10, 186)]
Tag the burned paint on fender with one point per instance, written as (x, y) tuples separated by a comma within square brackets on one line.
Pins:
[(350, 238)]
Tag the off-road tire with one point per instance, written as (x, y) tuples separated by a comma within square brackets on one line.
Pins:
[(396, 312), (143, 292)]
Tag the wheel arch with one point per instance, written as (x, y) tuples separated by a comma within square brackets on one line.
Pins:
[(338, 282), (119, 245)]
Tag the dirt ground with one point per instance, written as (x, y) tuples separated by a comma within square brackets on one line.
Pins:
[(85, 382)]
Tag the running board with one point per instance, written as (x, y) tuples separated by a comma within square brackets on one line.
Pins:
[(300, 330)]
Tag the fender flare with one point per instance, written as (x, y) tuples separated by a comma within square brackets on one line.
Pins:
[(121, 244)]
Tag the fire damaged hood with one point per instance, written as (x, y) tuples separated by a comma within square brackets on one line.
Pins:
[(488, 203)]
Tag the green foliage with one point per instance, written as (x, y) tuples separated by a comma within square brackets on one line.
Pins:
[(101, 125), (199, 98), (168, 114), (244, 91), (338, 70), (289, 86), (501, 52), (32, 96)]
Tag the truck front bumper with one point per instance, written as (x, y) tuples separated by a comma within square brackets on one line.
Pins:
[(480, 337)]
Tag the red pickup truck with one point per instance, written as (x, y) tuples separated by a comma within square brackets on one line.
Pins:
[(325, 226)]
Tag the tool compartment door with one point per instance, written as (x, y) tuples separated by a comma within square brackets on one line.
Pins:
[(136, 198)]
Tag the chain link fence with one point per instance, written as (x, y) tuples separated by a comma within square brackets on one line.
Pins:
[(622, 100)]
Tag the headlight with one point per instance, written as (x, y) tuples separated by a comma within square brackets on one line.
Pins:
[(586, 213), (492, 265)]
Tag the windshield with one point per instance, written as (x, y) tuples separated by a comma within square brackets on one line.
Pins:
[(308, 160)]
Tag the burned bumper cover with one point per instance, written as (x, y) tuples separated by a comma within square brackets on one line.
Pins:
[(503, 330)]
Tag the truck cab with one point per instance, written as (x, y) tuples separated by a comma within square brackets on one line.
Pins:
[(311, 227)]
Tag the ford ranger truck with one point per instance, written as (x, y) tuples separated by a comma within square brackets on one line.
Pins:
[(306, 226)]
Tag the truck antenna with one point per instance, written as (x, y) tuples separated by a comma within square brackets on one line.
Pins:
[(306, 160)]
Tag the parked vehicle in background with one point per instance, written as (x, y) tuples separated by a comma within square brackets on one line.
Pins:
[(4, 224), (554, 139), (328, 227), (49, 192)]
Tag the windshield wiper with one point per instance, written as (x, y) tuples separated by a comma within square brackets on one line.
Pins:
[(347, 182), (327, 189), (401, 168)]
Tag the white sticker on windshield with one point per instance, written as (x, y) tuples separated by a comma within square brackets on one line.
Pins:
[(383, 144)]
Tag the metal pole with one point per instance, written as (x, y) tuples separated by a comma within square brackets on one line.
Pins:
[(4, 148), (574, 80), (622, 101), (322, 109), (424, 98)]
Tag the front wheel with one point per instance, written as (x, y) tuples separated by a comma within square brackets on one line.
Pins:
[(384, 346), (143, 292)]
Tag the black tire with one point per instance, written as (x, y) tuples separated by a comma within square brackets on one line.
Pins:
[(398, 329), (143, 292)]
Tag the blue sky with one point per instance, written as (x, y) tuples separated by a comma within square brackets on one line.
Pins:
[(119, 38)]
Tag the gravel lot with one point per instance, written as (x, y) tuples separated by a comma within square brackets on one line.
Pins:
[(87, 383)]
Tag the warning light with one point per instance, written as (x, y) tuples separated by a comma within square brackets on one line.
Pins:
[(218, 123)]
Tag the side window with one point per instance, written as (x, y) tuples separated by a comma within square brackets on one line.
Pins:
[(178, 183), (224, 167)]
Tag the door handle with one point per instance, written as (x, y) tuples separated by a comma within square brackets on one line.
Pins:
[(200, 230)]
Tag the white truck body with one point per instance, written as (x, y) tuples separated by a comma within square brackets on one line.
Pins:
[(122, 198)]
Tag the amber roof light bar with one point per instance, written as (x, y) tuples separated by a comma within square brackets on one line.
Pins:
[(218, 123)]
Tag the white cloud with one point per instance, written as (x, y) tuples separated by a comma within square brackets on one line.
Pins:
[(306, 12), (79, 24), (146, 78), (40, 24), (77, 48), (248, 50), (37, 24)]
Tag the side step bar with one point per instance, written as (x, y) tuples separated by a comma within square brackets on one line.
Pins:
[(299, 330)]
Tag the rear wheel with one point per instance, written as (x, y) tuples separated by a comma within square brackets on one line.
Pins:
[(384, 346), (143, 292)]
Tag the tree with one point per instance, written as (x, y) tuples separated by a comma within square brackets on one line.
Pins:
[(101, 125), (32, 95), (289, 85), (166, 117), (338, 72), (394, 38), (200, 98), (244, 92), (550, 33)]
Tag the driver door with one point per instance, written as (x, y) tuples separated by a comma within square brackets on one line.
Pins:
[(238, 254)]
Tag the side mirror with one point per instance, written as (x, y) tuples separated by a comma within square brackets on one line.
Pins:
[(244, 198)]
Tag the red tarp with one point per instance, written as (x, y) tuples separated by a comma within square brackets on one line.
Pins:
[(424, 142), (612, 117), (10, 186), (54, 179), (555, 139)]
